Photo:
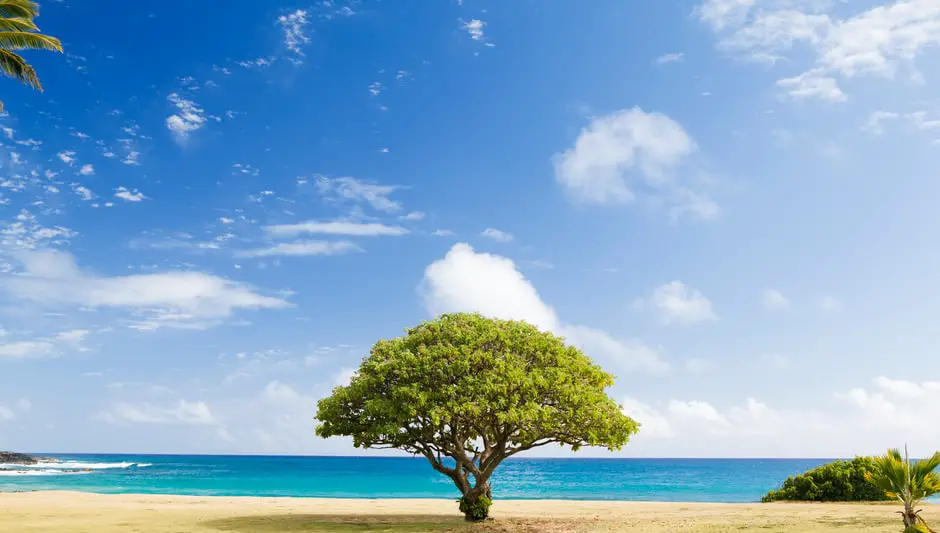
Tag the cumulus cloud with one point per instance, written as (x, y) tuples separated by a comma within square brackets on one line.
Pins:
[(358, 229), (172, 299), (87, 170), (629, 149), (467, 281), (677, 303)]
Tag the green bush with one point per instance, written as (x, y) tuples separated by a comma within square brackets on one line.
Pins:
[(476, 510), (839, 481)]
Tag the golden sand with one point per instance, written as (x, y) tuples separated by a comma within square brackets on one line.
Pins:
[(70, 512)]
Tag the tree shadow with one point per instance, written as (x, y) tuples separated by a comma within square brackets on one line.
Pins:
[(326, 523)]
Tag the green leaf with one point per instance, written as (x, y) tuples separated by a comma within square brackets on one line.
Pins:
[(18, 40)]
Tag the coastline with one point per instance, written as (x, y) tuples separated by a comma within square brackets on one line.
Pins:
[(80, 512)]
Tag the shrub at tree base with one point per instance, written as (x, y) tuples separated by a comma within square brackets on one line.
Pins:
[(839, 481), (475, 510)]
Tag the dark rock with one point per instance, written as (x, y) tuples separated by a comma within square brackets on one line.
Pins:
[(12, 458)]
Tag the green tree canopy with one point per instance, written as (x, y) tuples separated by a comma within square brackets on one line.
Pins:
[(467, 392), (19, 32)]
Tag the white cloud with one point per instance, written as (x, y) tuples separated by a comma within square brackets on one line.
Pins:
[(669, 58), (277, 392), (772, 299), (182, 413), (67, 156), (83, 192), (28, 349), (876, 119), (352, 189), (677, 303), (723, 13), (132, 158), (629, 149), (474, 29), (357, 229), (653, 425), (302, 248), (189, 118), (413, 216), (467, 281), (497, 235), (813, 84), (294, 26), (6, 413), (171, 299), (775, 31), (127, 195), (443, 233), (87, 170), (916, 119), (875, 41)]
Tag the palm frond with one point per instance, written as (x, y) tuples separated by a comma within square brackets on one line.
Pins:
[(19, 8), (18, 40), (14, 66), (17, 24)]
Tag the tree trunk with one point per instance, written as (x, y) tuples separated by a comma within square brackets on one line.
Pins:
[(475, 504)]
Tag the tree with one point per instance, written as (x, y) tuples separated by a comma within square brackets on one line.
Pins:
[(908, 482), (468, 392), (19, 32)]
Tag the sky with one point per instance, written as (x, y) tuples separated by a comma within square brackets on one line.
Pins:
[(211, 213)]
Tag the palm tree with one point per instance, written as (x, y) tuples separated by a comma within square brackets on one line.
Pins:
[(908, 482), (19, 32)]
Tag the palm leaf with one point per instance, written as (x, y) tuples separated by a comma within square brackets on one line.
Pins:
[(19, 8), (17, 24), (14, 66), (18, 40)]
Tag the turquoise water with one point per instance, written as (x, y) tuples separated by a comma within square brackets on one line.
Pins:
[(678, 480)]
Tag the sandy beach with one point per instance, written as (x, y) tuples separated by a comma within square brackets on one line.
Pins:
[(87, 513)]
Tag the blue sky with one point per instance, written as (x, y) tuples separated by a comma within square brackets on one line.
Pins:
[(207, 219)]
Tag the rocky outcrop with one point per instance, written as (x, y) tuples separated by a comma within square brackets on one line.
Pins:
[(12, 458)]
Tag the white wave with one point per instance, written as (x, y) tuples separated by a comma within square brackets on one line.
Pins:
[(73, 465)]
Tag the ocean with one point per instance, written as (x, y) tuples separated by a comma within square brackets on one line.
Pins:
[(673, 480)]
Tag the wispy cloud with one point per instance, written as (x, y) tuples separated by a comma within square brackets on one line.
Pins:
[(294, 26), (302, 248), (358, 229)]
